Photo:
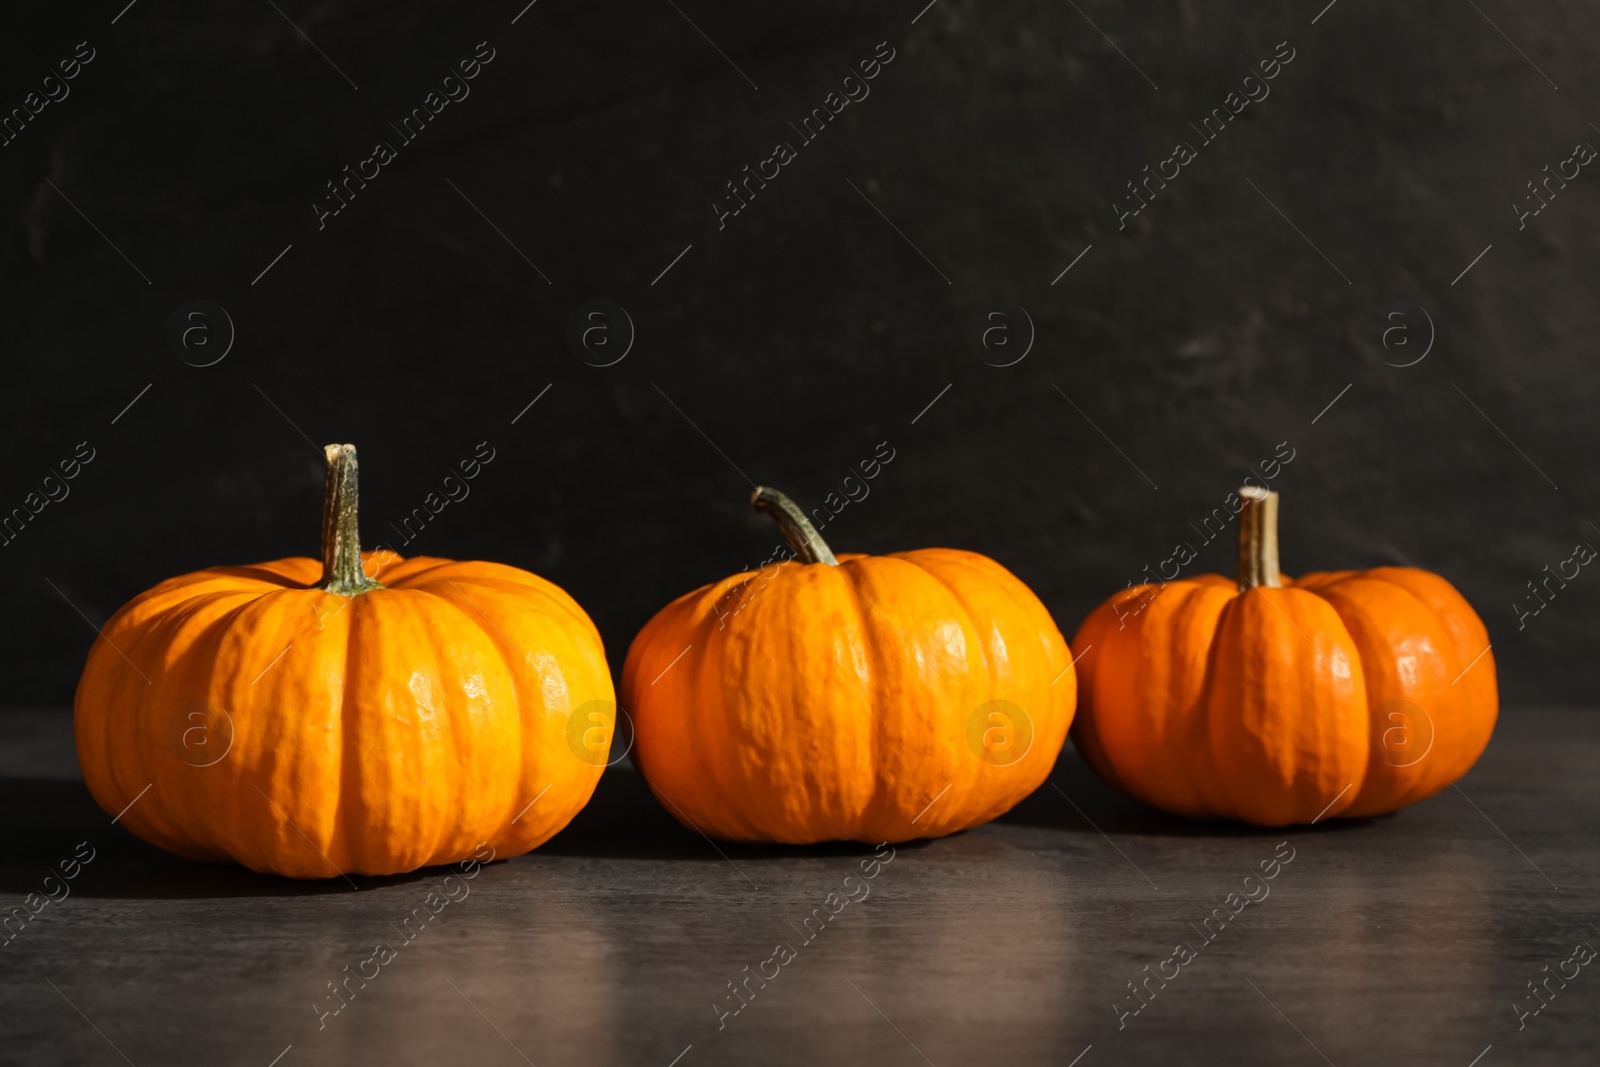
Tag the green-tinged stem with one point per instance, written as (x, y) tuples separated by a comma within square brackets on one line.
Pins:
[(808, 545), (342, 572), (1258, 539)]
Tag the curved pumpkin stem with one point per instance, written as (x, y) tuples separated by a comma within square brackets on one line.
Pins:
[(808, 545), (342, 572), (1258, 539)]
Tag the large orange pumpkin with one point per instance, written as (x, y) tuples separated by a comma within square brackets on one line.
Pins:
[(1280, 701), (866, 698), (302, 719)]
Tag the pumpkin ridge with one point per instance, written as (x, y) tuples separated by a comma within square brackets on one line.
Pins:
[(1206, 794), (102, 768), (882, 799), (402, 575), (415, 631), (425, 565), (501, 643), (642, 650), (263, 574), (457, 719), (810, 586), (170, 816), (960, 602), (565, 608), (1255, 740), (1085, 730), (789, 745), (1399, 794), (1340, 804), (169, 596), (701, 595), (971, 636), (457, 714), (227, 577), (1386, 575), (1464, 631), (1213, 791), (161, 629), (871, 653), (122, 679), (683, 726), (201, 676), (263, 711), (1170, 609), (697, 729), (350, 742), (984, 652)]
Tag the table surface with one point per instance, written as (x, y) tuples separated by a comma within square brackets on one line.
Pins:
[(1408, 939)]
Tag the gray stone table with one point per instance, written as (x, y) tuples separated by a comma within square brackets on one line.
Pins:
[(1409, 939)]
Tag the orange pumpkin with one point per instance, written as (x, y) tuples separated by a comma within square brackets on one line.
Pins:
[(302, 719), (1281, 701), (866, 698)]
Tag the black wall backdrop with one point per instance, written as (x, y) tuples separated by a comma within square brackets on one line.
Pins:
[(1361, 234)]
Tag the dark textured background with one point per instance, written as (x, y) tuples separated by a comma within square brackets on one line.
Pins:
[(808, 330)]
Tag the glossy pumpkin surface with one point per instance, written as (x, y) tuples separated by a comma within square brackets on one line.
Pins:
[(247, 714), (880, 699), (1345, 693)]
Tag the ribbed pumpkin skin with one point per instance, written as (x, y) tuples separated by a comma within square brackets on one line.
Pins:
[(1277, 706), (403, 726), (835, 704)]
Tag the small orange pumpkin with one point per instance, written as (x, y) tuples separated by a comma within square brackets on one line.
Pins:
[(302, 719), (865, 698), (1281, 701)]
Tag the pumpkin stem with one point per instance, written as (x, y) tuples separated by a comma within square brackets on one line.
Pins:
[(342, 572), (1258, 539), (808, 545)]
